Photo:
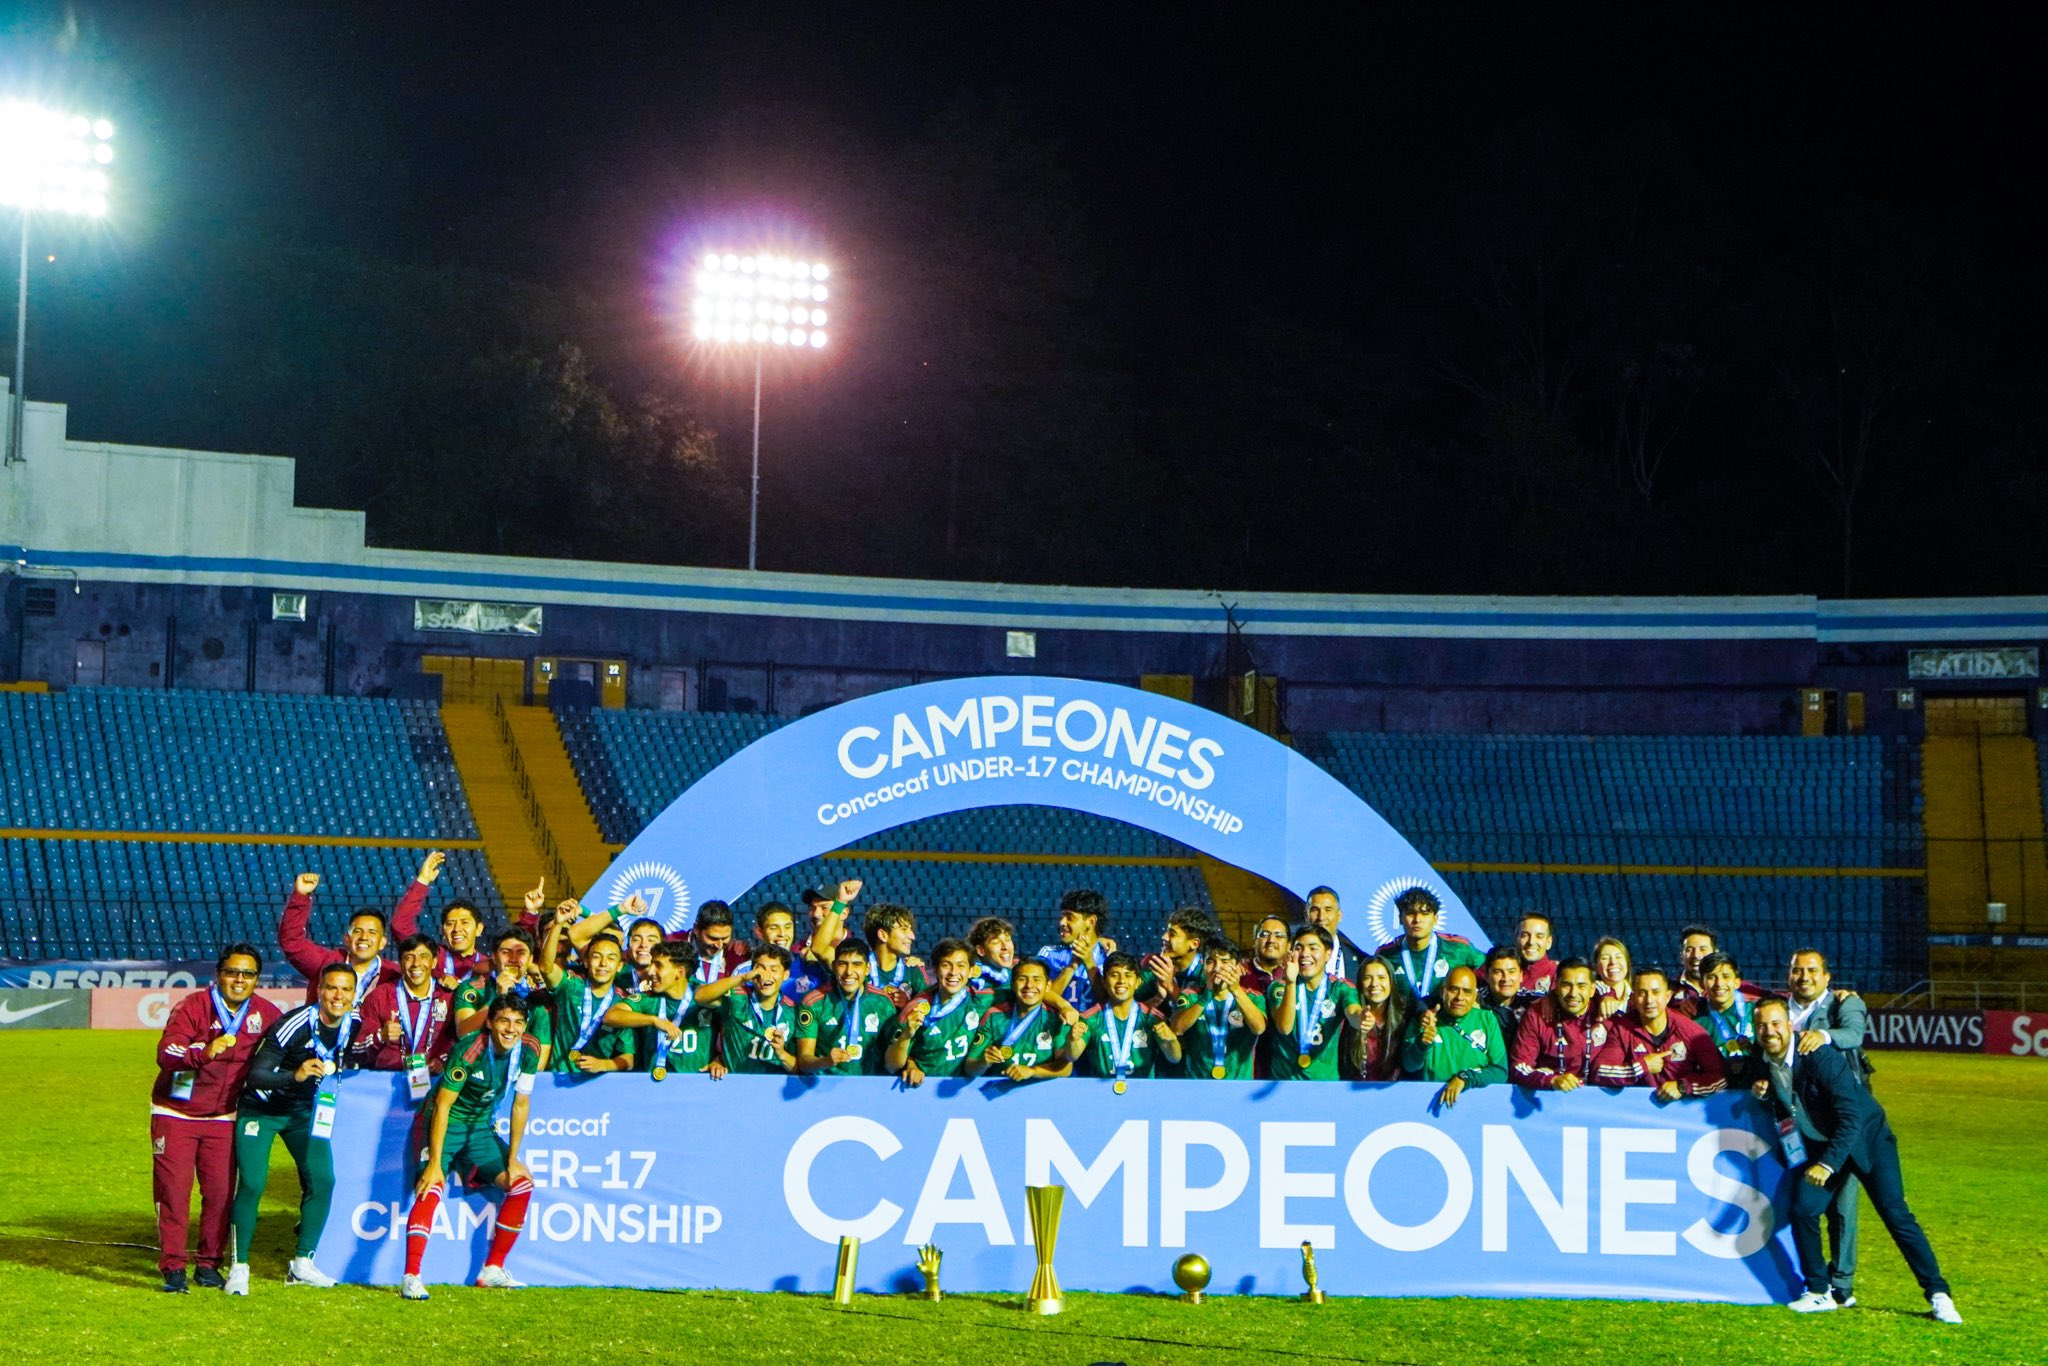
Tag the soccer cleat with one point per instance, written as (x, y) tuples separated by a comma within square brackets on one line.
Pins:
[(238, 1279), (498, 1278), (1943, 1309), (303, 1272), (1813, 1302), (412, 1288), (174, 1282), (209, 1278)]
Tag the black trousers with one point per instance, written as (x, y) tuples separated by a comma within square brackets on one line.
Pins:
[(1886, 1186)]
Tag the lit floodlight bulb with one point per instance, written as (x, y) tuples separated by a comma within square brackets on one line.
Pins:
[(80, 125), (53, 200), (780, 336), (103, 154), (731, 261), (701, 305), (722, 332), (97, 206), (702, 330), (748, 265), (818, 293), (817, 317), (818, 271), (103, 129), (800, 316), (760, 332), (711, 261), (817, 340), (799, 337), (781, 313)]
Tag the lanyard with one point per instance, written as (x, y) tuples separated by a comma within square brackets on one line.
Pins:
[(1216, 1014), (341, 1033), (229, 1023), (1420, 985), (1120, 1049), (708, 968), (595, 1006), (450, 965), (1564, 1041), (1334, 969), (897, 975), (415, 1027), (1022, 1026), (368, 980), (1304, 1011)]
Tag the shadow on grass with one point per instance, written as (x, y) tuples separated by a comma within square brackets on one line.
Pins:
[(87, 1245)]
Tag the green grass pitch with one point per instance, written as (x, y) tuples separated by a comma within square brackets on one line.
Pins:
[(78, 1271)]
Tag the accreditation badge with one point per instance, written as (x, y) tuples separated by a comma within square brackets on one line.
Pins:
[(323, 1113), (417, 1080), (181, 1085), (1791, 1143)]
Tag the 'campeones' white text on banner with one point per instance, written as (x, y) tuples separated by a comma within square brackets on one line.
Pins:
[(1080, 727)]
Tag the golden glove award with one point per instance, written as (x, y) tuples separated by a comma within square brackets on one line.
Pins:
[(849, 1264), (1044, 1202), (1314, 1293), (928, 1259)]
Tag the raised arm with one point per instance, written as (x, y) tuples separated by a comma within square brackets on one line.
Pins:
[(293, 930), (405, 916)]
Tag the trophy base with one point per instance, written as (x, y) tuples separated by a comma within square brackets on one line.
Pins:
[(1191, 1297), (932, 1295), (1312, 1297), (1046, 1306)]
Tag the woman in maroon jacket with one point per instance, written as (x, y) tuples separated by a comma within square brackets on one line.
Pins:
[(1373, 1052), (208, 1044)]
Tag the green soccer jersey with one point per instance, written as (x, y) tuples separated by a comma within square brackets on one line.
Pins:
[(1034, 1037), (1315, 1033), (1219, 1037), (1189, 978), (689, 1053), (1421, 972), (577, 1019), (832, 1021), (904, 976), (749, 1032), (1111, 1037), (481, 993), (942, 1041), (481, 1074)]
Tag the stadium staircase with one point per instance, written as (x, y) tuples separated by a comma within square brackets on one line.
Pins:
[(1983, 780), (565, 813)]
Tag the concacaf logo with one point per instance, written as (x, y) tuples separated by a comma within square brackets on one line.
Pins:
[(1379, 907), (661, 887)]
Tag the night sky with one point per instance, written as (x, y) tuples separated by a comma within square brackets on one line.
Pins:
[(1223, 173)]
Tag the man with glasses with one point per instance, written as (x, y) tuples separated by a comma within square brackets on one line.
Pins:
[(1268, 959), (203, 1057)]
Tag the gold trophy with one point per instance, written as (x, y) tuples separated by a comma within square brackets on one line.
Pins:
[(1314, 1294), (842, 1279), (1043, 1202), (928, 1259), (1191, 1274)]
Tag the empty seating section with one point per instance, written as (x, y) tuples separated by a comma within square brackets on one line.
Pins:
[(131, 899), (227, 763), (949, 896)]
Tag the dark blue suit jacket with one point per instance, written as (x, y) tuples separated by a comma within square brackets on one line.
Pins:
[(1835, 1100)]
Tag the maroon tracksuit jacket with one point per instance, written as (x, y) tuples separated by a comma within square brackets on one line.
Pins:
[(1691, 1059), (378, 1053), (295, 938), (1551, 1045)]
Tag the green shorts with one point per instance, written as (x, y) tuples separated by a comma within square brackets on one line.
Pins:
[(471, 1154)]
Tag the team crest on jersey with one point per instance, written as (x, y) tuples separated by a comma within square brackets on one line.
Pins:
[(1236, 1018), (156, 1145), (256, 1020), (1329, 1009), (1596, 1036), (1678, 1050), (973, 1018), (1478, 1038), (1045, 1041)]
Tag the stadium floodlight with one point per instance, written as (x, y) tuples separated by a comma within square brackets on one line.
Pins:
[(768, 302), (50, 162)]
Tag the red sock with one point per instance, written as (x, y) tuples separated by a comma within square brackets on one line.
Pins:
[(511, 1218), (418, 1226)]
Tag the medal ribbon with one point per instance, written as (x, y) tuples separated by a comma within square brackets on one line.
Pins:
[(849, 1023), (1728, 1025), (1216, 1014), (415, 1028), (341, 1033), (230, 1024), (940, 1012), (1022, 1026), (594, 1019), (1120, 1050), (897, 975), (765, 1022), (368, 980), (1420, 986), (1304, 1011), (663, 1043)]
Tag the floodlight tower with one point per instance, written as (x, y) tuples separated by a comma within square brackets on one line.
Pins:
[(56, 163), (761, 302)]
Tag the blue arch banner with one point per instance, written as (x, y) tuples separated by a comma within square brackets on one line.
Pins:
[(839, 775)]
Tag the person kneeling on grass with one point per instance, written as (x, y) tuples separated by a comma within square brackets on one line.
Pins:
[(462, 1137)]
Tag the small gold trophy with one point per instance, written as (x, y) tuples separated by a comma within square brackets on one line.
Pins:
[(849, 1264), (1191, 1274), (928, 1259), (1314, 1294), (1043, 1203)]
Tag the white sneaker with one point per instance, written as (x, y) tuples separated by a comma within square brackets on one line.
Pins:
[(1944, 1309), (498, 1278), (238, 1280), (1813, 1302), (412, 1288), (303, 1272)]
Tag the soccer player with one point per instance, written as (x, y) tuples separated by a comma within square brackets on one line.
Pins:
[(891, 932), (673, 1035), (1028, 1037), (580, 1003), (1533, 939), (1613, 980), (1219, 1026), (1501, 987), (1076, 961), (1458, 1041), (931, 1035), (756, 1024), (838, 1031), (513, 973), (204, 1055), (286, 1095), (1373, 1051), (1695, 942), (407, 1022), (1268, 956), (1829, 1127), (1124, 1038), (775, 924), (1725, 1009), (1322, 908), (641, 937), (1305, 1008), (1177, 968), (1669, 1051), (1422, 958), (994, 941), (362, 947), (1561, 1045), (462, 1139)]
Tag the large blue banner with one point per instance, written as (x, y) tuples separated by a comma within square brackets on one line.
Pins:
[(749, 1182), (839, 775)]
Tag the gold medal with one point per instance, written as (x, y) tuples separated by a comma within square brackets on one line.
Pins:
[(658, 1073), (1219, 1071), (853, 1053), (1119, 1087), (1304, 1060)]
